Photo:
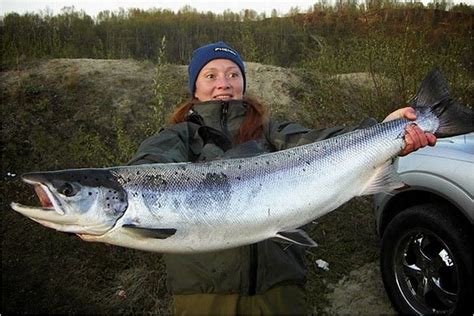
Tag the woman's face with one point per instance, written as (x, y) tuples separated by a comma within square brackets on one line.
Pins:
[(219, 79)]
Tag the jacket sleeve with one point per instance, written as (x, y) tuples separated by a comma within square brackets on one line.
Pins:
[(173, 144), (287, 134)]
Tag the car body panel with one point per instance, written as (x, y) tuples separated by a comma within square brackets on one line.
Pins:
[(446, 170)]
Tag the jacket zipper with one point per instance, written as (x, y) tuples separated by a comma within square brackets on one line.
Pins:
[(224, 113), (253, 266)]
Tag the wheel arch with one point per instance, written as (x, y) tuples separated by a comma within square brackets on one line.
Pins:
[(416, 196)]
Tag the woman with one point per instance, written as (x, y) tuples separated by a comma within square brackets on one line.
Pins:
[(266, 277)]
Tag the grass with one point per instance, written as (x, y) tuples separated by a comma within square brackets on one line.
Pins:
[(55, 121), (55, 273), (346, 240)]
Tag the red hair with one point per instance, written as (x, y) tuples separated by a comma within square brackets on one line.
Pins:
[(251, 128)]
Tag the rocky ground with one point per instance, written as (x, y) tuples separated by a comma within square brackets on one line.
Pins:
[(360, 292)]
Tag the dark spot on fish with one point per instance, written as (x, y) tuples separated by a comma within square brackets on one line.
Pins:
[(240, 167), (213, 188), (215, 177), (90, 193), (267, 162), (107, 198), (307, 162), (138, 173), (239, 178), (108, 205), (154, 181)]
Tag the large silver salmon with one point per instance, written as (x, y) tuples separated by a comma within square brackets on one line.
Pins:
[(195, 207)]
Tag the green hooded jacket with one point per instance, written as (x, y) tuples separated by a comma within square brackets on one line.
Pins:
[(208, 134)]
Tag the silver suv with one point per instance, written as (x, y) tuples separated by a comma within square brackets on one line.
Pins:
[(426, 230)]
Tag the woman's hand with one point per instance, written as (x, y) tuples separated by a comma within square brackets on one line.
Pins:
[(415, 138)]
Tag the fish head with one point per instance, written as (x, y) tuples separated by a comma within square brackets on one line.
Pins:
[(82, 201)]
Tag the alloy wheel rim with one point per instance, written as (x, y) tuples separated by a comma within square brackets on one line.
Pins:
[(426, 273)]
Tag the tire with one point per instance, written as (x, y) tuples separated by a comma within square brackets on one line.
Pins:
[(426, 261)]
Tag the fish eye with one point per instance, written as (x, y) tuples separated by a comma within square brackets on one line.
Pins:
[(67, 190)]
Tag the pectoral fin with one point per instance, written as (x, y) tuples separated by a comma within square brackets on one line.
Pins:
[(296, 236), (145, 232)]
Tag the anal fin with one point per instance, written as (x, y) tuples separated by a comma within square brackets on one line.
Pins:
[(295, 236)]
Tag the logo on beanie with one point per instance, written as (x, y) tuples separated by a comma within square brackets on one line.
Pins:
[(225, 50)]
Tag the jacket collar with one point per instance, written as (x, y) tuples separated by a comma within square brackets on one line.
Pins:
[(212, 113)]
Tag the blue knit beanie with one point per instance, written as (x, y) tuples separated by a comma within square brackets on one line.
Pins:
[(205, 54)]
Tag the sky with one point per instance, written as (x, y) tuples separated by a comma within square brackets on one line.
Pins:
[(92, 7)]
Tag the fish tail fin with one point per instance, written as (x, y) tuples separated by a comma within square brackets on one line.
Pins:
[(433, 96)]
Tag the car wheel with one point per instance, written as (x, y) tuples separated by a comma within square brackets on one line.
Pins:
[(426, 261)]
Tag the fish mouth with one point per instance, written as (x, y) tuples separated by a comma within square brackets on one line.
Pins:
[(49, 209), (44, 195), (51, 212)]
